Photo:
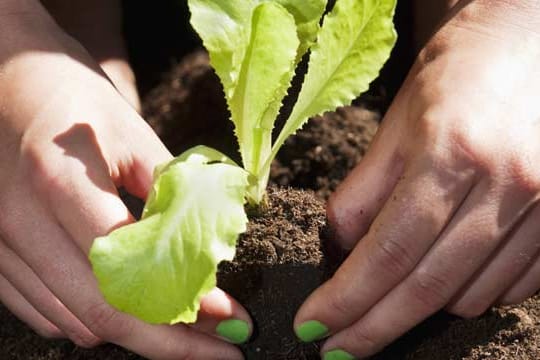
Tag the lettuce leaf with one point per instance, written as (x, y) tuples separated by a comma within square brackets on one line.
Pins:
[(266, 73), (352, 46), (307, 14), (159, 268), (254, 48), (224, 27)]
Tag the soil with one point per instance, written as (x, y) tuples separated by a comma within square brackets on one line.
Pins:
[(187, 108), (321, 155), (280, 260)]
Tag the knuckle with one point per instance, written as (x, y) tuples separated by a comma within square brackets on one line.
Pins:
[(467, 310), (185, 350), (346, 222), (363, 339), (513, 298), (392, 257), (428, 130), (524, 173), (103, 320), (49, 332), (85, 339), (430, 289), (338, 304), (45, 173), (471, 145)]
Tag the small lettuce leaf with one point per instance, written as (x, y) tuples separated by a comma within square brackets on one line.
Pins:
[(353, 44), (266, 74), (159, 268), (224, 27), (307, 14)]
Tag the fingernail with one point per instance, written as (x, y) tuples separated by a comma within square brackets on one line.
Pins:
[(338, 355), (235, 331), (311, 330)]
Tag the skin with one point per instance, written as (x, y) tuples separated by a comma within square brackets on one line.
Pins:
[(443, 212), (427, 15), (70, 136)]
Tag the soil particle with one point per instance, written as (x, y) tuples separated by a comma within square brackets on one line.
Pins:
[(504, 333), (279, 262), (324, 152), (188, 108)]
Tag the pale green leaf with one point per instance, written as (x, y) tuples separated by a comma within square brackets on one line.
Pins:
[(224, 27), (265, 77), (307, 14), (159, 268), (354, 43)]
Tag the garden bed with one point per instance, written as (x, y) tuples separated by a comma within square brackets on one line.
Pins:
[(181, 109)]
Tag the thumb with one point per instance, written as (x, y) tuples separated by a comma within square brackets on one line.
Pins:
[(145, 153)]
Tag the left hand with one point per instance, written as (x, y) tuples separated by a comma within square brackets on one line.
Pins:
[(443, 211)]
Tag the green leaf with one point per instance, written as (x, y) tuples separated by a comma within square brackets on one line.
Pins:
[(159, 268), (265, 77), (254, 46), (307, 14), (354, 43), (224, 27)]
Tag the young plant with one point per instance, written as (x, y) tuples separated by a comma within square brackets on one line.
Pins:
[(159, 268)]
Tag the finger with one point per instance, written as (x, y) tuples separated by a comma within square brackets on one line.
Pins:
[(123, 78), (40, 298), (512, 259), (470, 238), (401, 234), (358, 199), (146, 151), (73, 282), (105, 44), (222, 316), (525, 287), (23, 310), (83, 198), (92, 208)]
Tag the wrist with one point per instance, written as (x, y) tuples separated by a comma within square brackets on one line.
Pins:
[(26, 27), (509, 26), (17, 7), (514, 18)]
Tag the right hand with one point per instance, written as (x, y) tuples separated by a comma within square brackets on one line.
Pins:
[(68, 140)]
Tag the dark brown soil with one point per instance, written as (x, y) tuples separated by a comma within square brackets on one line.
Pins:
[(321, 155), (188, 108), (279, 262)]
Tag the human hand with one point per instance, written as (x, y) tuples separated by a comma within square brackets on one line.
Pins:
[(443, 211), (68, 140), (105, 42)]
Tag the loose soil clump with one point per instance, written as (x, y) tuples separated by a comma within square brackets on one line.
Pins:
[(324, 152), (280, 260)]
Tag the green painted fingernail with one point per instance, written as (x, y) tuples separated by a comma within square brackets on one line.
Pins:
[(338, 355), (236, 331), (311, 330)]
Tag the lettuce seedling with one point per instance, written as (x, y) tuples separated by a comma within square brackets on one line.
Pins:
[(159, 268)]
